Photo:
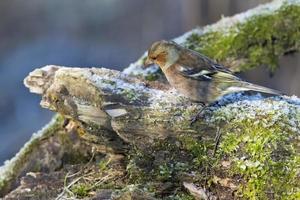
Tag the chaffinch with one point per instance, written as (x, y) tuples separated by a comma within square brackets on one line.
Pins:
[(195, 75)]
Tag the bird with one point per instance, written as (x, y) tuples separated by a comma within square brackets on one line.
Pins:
[(196, 76)]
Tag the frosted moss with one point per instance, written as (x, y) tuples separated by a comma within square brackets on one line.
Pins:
[(266, 159), (258, 41)]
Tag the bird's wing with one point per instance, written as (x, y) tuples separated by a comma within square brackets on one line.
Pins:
[(196, 73), (198, 66), (201, 61), (226, 77)]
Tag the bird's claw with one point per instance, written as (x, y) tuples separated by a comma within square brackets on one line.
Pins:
[(194, 119), (197, 116)]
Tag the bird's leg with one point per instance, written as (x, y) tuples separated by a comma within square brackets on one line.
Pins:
[(196, 117), (217, 140)]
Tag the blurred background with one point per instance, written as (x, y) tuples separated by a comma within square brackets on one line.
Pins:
[(106, 33)]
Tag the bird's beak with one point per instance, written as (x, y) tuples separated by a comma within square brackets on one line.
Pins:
[(148, 62)]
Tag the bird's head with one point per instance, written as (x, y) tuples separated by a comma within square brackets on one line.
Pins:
[(163, 53)]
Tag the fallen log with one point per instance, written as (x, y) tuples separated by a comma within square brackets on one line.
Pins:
[(123, 135)]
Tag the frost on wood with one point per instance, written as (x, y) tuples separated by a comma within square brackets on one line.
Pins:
[(114, 101), (155, 119)]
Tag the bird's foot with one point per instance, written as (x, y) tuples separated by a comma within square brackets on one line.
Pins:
[(194, 118), (217, 140), (198, 115)]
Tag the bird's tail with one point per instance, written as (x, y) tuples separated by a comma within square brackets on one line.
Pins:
[(245, 86), (234, 84)]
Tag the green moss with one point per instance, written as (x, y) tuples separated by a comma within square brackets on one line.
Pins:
[(265, 158), (168, 161), (199, 149), (154, 75), (180, 196), (81, 190), (130, 95), (56, 126), (139, 166), (255, 42), (165, 171), (103, 164), (110, 82)]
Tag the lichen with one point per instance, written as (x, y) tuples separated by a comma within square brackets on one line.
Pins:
[(260, 140), (258, 137), (266, 158), (130, 95)]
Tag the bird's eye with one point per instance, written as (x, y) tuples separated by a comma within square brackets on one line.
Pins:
[(153, 57)]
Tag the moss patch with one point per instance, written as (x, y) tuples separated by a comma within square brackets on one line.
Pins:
[(81, 190), (130, 95), (254, 160), (266, 159), (163, 167), (258, 41), (158, 74)]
